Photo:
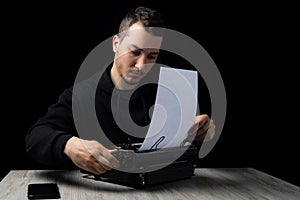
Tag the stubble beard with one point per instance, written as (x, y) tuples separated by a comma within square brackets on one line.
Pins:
[(130, 80)]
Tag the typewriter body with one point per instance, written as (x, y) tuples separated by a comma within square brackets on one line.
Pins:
[(139, 169)]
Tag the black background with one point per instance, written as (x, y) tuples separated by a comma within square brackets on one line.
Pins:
[(253, 46)]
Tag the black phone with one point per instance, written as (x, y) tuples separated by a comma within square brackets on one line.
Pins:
[(43, 191)]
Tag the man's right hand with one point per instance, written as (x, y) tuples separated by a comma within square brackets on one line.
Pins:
[(90, 155)]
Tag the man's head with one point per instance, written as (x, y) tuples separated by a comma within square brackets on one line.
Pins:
[(136, 46), (146, 16)]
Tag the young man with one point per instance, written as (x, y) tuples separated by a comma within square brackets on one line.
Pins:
[(53, 140)]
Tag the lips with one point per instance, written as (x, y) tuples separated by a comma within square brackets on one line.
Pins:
[(135, 74)]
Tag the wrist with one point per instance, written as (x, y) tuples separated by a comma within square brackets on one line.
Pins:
[(69, 145)]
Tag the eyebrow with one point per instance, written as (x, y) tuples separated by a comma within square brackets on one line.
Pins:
[(141, 49)]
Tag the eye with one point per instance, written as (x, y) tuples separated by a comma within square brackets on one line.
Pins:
[(136, 52), (152, 56)]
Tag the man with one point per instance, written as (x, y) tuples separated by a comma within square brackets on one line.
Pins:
[(53, 140)]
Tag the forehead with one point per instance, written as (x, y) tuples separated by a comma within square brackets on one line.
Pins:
[(138, 36)]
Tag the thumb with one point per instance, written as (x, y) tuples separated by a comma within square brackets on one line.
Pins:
[(112, 151)]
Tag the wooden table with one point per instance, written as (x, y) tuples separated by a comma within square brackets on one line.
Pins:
[(208, 183)]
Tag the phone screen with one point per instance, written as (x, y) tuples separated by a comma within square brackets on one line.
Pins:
[(43, 191)]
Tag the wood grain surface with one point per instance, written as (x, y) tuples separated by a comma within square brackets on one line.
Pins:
[(208, 183)]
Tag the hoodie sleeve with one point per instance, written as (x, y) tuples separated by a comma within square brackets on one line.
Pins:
[(45, 140)]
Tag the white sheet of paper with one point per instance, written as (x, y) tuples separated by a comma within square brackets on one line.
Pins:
[(175, 108)]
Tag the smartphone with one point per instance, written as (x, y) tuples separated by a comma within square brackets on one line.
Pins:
[(43, 191)]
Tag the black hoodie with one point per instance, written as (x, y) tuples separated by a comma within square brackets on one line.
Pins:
[(46, 139)]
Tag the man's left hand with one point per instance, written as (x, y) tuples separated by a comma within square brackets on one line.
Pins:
[(203, 128)]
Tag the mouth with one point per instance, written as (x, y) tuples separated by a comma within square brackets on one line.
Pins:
[(135, 73)]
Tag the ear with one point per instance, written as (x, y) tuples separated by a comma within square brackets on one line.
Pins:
[(115, 43)]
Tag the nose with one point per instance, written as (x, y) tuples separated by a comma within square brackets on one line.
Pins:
[(141, 61)]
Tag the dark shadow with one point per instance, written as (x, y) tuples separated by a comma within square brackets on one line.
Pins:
[(234, 177)]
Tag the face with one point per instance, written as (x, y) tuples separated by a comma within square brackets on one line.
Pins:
[(135, 55)]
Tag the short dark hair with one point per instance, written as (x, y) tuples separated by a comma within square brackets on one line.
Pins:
[(147, 16)]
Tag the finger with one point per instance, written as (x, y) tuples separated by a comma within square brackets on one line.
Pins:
[(104, 166), (92, 166), (200, 137), (113, 151), (202, 130), (105, 157), (207, 135), (200, 126), (211, 131), (199, 121), (97, 168), (104, 162), (102, 154), (193, 130), (110, 160)]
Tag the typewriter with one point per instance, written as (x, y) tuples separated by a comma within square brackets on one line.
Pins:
[(149, 167)]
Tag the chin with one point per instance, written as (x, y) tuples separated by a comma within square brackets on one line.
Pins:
[(132, 81)]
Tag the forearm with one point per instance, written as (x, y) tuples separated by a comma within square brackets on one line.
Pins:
[(46, 146)]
